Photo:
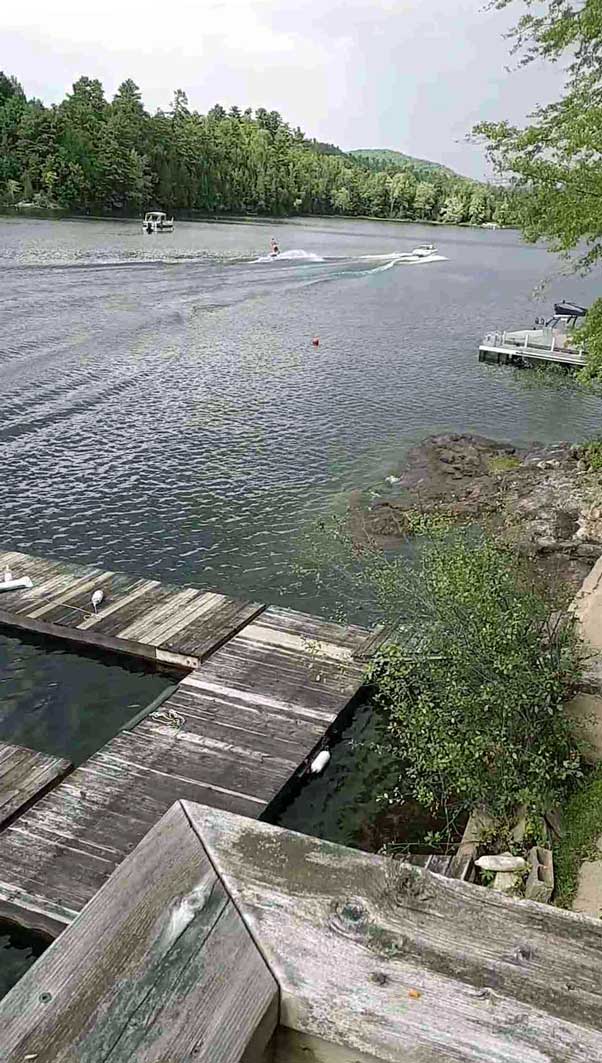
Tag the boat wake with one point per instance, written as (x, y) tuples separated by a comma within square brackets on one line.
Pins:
[(404, 258), (385, 261), (295, 255)]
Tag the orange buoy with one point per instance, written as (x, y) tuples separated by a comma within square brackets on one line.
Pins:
[(316, 341)]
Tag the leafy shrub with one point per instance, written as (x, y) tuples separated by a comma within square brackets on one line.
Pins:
[(475, 717), (592, 455), (581, 827)]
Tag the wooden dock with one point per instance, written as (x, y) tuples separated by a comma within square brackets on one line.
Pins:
[(265, 686), (144, 618)]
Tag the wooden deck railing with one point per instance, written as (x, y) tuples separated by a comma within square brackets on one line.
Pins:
[(224, 940)]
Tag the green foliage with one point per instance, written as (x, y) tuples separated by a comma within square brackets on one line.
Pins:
[(592, 455), (91, 154), (502, 463), (383, 158), (590, 336), (475, 716), (425, 198), (581, 827), (454, 209), (554, 162)]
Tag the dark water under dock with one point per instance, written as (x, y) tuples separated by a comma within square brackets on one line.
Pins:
[(66, 703)]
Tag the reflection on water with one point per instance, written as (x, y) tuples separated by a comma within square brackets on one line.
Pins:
[(65, 704)]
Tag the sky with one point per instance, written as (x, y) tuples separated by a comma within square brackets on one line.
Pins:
[(413, 75)]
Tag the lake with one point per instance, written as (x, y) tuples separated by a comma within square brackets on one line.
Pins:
[(165, 412)]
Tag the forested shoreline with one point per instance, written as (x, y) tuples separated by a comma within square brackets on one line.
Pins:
[(88, 154)]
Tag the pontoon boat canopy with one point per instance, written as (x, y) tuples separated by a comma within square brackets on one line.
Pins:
[(569, 310)]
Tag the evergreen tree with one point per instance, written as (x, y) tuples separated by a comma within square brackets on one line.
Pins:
[(90, 154)]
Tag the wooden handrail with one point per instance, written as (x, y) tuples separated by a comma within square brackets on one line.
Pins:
[(215, 919)]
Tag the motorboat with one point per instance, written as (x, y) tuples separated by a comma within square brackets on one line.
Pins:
[(156, 221), (424, 253), (569, 313)]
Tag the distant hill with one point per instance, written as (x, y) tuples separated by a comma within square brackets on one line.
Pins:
[(323, 149), (387, 157)]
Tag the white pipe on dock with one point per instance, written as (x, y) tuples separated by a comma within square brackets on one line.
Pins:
[(24, 584)]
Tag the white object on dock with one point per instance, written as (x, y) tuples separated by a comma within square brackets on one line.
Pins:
[(7, 574), (15, 584), (97, 599), (319, 762)]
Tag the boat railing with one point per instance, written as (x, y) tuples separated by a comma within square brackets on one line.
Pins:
[(527, 341)]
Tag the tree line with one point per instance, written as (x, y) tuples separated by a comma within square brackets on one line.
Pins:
[(89, 154)]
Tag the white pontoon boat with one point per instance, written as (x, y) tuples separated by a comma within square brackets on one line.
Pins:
[(155, 221)]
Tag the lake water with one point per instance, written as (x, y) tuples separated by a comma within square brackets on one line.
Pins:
[(165, 412)]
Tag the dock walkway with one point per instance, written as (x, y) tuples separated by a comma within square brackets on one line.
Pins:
[(143, 618), (265, 685), (24, 776)]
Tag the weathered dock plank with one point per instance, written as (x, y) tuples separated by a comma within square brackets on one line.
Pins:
[(218, 928), (231, 736), (378, 960), (25, 775), (159, 967), (143, 618)]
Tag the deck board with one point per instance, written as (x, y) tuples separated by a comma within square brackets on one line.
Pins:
[(144, 618), (24, 775)]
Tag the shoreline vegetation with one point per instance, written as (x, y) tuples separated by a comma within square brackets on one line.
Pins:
[(471, 553), (88, 154), (56, 213)]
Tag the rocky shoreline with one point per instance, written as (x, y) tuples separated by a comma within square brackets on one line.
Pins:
[(542, 499)]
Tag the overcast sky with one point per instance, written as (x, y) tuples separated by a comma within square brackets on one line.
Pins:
[(414, 75)]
